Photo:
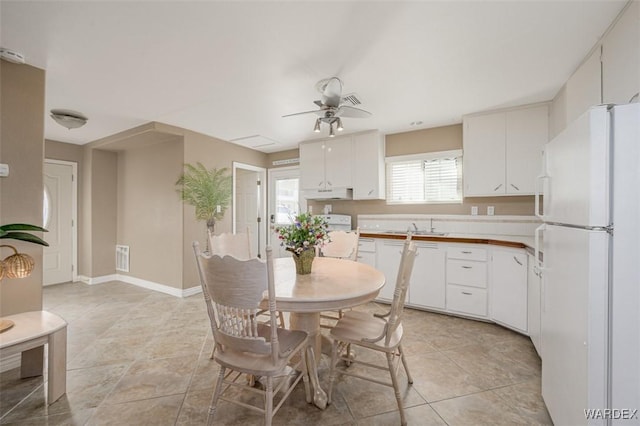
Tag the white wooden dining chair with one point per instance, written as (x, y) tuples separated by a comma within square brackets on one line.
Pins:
[(245, 346), (227, 243), (381, 333), (341, 245)]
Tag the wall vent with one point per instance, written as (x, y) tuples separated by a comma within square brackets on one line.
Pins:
[(122, 258)]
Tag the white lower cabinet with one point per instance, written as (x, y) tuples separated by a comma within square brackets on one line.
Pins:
[(427, 288), (467, 280), (388, 255), (509, 288), (480, 281), (467, 300), (367, 251)]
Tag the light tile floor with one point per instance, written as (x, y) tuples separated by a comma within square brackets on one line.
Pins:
[(140, 357)]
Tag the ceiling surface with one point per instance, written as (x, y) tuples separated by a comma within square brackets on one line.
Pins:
[(231, 70)]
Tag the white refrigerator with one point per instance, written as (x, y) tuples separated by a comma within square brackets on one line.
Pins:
[(588, 199)]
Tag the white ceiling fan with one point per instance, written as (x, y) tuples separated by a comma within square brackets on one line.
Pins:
[(333, 105)]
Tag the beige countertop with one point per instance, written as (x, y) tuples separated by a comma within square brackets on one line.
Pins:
[(517, 241)]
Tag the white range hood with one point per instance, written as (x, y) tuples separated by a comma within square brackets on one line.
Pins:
[(328, 194)]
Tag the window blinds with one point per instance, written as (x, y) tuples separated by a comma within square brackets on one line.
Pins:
[(427, 179)]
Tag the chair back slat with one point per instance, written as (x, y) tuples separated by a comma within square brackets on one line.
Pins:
[(229, 244), (342, 245), (237, 288), (402, 285)]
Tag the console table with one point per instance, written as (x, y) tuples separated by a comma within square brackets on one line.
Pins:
[(33, 330)]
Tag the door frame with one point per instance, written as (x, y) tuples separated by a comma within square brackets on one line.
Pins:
[(74, 213), (262, 202)]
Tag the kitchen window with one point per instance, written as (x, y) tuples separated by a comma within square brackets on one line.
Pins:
[(434, 177)]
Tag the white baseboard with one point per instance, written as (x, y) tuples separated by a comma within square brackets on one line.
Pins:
[(10, 362), (177, 292)]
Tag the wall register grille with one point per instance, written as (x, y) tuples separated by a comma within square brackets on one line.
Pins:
[(122, 258)]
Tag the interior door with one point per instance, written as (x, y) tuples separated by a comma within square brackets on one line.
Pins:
[(285, 202), (58, 218), (249, 204)]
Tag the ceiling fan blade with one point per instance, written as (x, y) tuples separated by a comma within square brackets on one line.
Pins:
[(351, 112), (317, 112), (332, 92)]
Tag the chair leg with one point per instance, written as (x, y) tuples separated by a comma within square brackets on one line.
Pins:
[(396, 388), (332, 368), (268, 410), (405, 365), (216, 395), (305, 377), (281, 317)]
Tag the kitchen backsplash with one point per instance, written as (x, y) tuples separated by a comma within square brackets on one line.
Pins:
[(452, 224)]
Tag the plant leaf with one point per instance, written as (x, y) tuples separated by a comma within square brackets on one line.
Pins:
[(24, 236), (22, 227)]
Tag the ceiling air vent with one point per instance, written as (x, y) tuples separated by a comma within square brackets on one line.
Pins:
[(351, 99)]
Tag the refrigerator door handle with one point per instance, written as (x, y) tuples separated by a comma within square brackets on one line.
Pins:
[(539, 180), (540, 266), (538, 232)]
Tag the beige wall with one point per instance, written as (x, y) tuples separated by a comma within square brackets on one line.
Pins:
[(150, 211), (211, 152), (22, 148), (104, 198)]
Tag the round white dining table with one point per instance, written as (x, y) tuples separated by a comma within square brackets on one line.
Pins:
[(333, 284)]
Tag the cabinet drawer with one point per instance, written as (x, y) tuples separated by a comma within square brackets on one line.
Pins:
[(467, 253), (472, 301), (367, 244), (467, 272)]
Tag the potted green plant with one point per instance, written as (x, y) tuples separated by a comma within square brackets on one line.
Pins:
[(208, 190)]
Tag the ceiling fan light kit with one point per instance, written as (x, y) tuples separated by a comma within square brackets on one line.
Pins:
[(333, 106), (68, 118)]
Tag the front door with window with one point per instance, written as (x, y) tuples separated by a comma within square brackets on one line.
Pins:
[(285, 202)]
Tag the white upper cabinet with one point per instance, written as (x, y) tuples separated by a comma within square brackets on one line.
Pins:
[(527, 131), (326, 164), (484, 154), (351, 161), (503, 151), (621, 58), (368, 166)]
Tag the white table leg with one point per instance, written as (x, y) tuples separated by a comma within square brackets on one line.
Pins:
[(310, 322), (57, 368)]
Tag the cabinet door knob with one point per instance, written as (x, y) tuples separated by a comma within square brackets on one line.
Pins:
[(497, 187), (466, 267), (517, 261), (466, 252), (466, 293), (516, 188)]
